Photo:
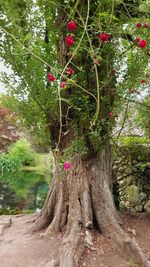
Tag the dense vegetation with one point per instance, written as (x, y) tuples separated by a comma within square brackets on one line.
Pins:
[(78, 65)]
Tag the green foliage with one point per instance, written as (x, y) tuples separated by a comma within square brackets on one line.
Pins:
[(137, 147), (23, 152), (143, 117), (133, 140), (20, 154), (8, 166), (33, 47), (11, 212), (79, 146)]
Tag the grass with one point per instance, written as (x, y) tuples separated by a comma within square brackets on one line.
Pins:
[(131, 263), (129, 140)]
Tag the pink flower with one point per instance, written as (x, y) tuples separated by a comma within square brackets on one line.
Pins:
[(70, 40), (70, 71), (143, 81), (138, 39), (63, 84), (51, 77), (142, 43), (67, 165), (72, 25), (104, 37), (145, 25), (110, 114), (138, 25)]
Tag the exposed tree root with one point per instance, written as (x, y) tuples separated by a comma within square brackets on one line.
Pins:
[(80, 202)]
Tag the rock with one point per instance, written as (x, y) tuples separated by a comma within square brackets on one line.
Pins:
[(142, 196), (119, 177), (128, 170), (133, 193), (138, 208), (147, 186), (129, 179), (127, 204), (147, 206), (132, 231), (122, 182), (122, 204), (121, 169), (115, 167)]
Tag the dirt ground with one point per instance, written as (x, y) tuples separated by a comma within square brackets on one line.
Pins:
[(21, 249)]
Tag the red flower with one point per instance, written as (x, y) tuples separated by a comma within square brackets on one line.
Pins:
[(104, 37), (72, 25), (63, 84), (69, 40), (51, 77), (70, 71), (67, 165), (110, 114), (145, 25), (143, 43), (138, 25), (143, 81), (138, 39)]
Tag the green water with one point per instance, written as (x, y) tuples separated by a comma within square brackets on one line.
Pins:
[(25, 192)]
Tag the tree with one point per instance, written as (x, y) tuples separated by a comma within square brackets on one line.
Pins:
[(9, 128), (78, 65), (144, 116)]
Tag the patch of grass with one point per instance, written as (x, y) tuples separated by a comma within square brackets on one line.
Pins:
[(131, 263), (15, 212)]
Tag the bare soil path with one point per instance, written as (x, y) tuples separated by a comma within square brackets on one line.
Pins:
[(21, 249)]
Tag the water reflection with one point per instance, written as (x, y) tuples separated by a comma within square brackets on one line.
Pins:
[(26, 191)]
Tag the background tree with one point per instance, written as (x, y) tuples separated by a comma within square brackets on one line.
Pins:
[(78, 74), (143, 117), (9, 128)]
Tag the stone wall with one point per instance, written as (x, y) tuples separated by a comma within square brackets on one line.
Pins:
[(131, 176)]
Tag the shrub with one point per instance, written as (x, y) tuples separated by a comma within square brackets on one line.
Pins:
[(23, 152), (8, 166)]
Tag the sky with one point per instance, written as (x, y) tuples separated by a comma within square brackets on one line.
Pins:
[(3, 68)]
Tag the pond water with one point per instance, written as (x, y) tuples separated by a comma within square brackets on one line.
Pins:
[(25, 192)]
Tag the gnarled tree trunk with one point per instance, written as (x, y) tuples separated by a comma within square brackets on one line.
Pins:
[(79, 202)]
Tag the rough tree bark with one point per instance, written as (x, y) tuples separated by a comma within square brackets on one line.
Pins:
[(80, 202)]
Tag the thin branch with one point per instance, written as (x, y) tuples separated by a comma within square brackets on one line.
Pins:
[(96, 73), (79, 44), (44, 62), (134, 101), (125, 117)]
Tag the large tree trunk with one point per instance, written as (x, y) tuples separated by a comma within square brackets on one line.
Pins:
[(79, 202)]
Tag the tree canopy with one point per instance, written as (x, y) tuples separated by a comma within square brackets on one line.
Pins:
[(107, 53)]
